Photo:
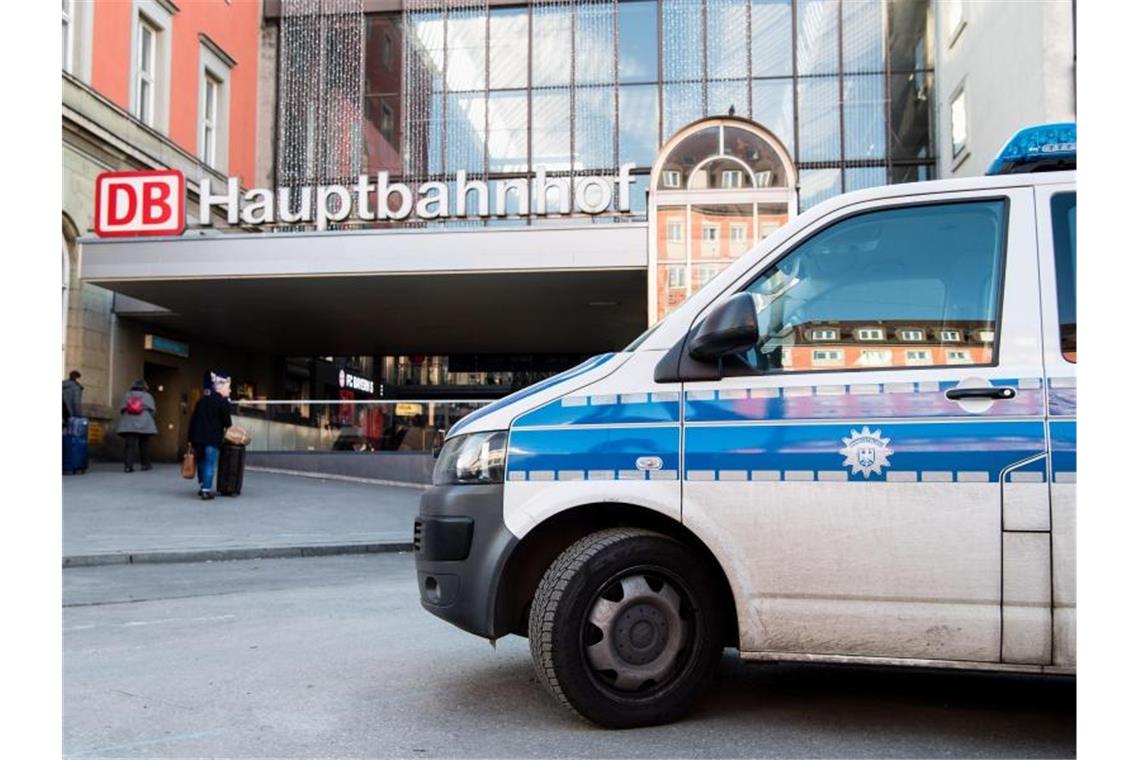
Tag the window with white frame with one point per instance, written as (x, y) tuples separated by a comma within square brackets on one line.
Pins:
[(146, 67), (824, 333), (209, 149), (710, 232), (918, 358), (704, 274), (984, 336), (951, 336), (959, 131), (874, 358), (671, 178), (958, 357), (731, 179), (869, 333), (214, 69), (676, 276), (738, 233), (910, 335), (674, 231), (830, 358), (68, 35)]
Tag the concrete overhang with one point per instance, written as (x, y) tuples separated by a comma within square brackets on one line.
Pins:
[(558, 289)]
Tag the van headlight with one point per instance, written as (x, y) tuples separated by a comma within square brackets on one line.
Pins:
[(473, 459)]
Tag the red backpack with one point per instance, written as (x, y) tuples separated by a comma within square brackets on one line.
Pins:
[(135, 405)]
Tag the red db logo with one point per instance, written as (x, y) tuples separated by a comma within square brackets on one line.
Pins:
[(140, 203)]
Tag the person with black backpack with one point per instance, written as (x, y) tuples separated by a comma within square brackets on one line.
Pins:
[(136, 424)]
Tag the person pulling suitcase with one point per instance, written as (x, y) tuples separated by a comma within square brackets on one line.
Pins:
[(208, 424)]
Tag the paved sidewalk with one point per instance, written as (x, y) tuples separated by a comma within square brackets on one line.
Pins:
[(111, 517)]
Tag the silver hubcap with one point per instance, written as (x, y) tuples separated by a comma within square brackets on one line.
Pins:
[(641, 634)]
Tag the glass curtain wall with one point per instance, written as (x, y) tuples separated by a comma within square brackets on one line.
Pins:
[(579, 87)]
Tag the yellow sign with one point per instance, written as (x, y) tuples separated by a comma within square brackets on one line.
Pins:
[(94, 433), (409, 410)]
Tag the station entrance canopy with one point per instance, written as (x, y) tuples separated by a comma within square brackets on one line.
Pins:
[(536, 289)]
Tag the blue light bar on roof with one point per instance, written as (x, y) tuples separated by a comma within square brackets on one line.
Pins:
[(1045, 147)]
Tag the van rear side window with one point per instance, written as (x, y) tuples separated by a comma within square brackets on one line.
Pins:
[(1064, 212)]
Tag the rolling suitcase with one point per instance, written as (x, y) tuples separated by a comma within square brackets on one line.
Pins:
[(231, 469), (75, 445)]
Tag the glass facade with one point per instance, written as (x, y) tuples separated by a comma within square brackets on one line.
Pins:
[(579, 87)]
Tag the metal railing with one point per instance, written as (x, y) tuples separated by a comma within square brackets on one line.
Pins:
[(348, 425)]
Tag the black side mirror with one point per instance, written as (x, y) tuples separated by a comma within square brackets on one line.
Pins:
[(728, 329)]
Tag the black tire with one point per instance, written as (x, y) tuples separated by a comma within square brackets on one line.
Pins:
[(587, 583)]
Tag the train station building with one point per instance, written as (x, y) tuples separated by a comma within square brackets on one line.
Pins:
[(446, 200)]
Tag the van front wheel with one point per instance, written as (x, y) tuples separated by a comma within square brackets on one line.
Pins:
[(624, 628)]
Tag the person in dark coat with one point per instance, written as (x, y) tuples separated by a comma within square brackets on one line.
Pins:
[(73, 394), (208, 426), (136, 424)]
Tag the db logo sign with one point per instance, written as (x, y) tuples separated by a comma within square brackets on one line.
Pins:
[(140, 203)]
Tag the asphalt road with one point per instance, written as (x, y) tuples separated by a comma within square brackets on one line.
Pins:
[(334, 657)]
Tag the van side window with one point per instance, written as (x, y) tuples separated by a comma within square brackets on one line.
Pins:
[(896, 288), (1064, 212)]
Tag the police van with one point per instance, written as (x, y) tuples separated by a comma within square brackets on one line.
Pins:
[(857, 444)]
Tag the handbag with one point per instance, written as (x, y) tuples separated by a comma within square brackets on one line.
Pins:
[(189, 466), (237, 436)]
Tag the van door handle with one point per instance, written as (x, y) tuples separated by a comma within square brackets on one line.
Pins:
[(964, 394)]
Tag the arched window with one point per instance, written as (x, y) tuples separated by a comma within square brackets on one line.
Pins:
[(719, 186)]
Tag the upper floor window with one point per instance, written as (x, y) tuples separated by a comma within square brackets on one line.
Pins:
[(210, 121), (862, 270), (68, 34), (213, 105), (918, 358), (710, 232), (911, 334), (731, 179), (950, 336), (673, 230), (146, 67), (1063, 208), (958, 122), (386, 51), (671, 179), (824, 334)]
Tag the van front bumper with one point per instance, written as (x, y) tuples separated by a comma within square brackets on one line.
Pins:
[(461, 544)]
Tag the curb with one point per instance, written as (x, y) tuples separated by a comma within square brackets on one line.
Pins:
[(245, 552), (342, 478)]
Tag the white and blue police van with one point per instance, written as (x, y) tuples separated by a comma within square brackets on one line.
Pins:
[(857, 445)]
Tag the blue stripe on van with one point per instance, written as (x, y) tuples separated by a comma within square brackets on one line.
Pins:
[(1063, 443), (597, 450), (969, 450), (603, 409), (851, 401)]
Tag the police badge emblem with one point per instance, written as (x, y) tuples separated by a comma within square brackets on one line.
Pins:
[(866, 452)]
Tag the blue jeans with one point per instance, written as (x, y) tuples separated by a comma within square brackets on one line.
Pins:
[(207, 467)]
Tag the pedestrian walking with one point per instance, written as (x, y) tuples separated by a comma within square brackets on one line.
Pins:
[(208, 426), (136, 424), (73, 394)]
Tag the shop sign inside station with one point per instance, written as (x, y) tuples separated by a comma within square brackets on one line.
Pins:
[(153, 203), (355, 382)]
